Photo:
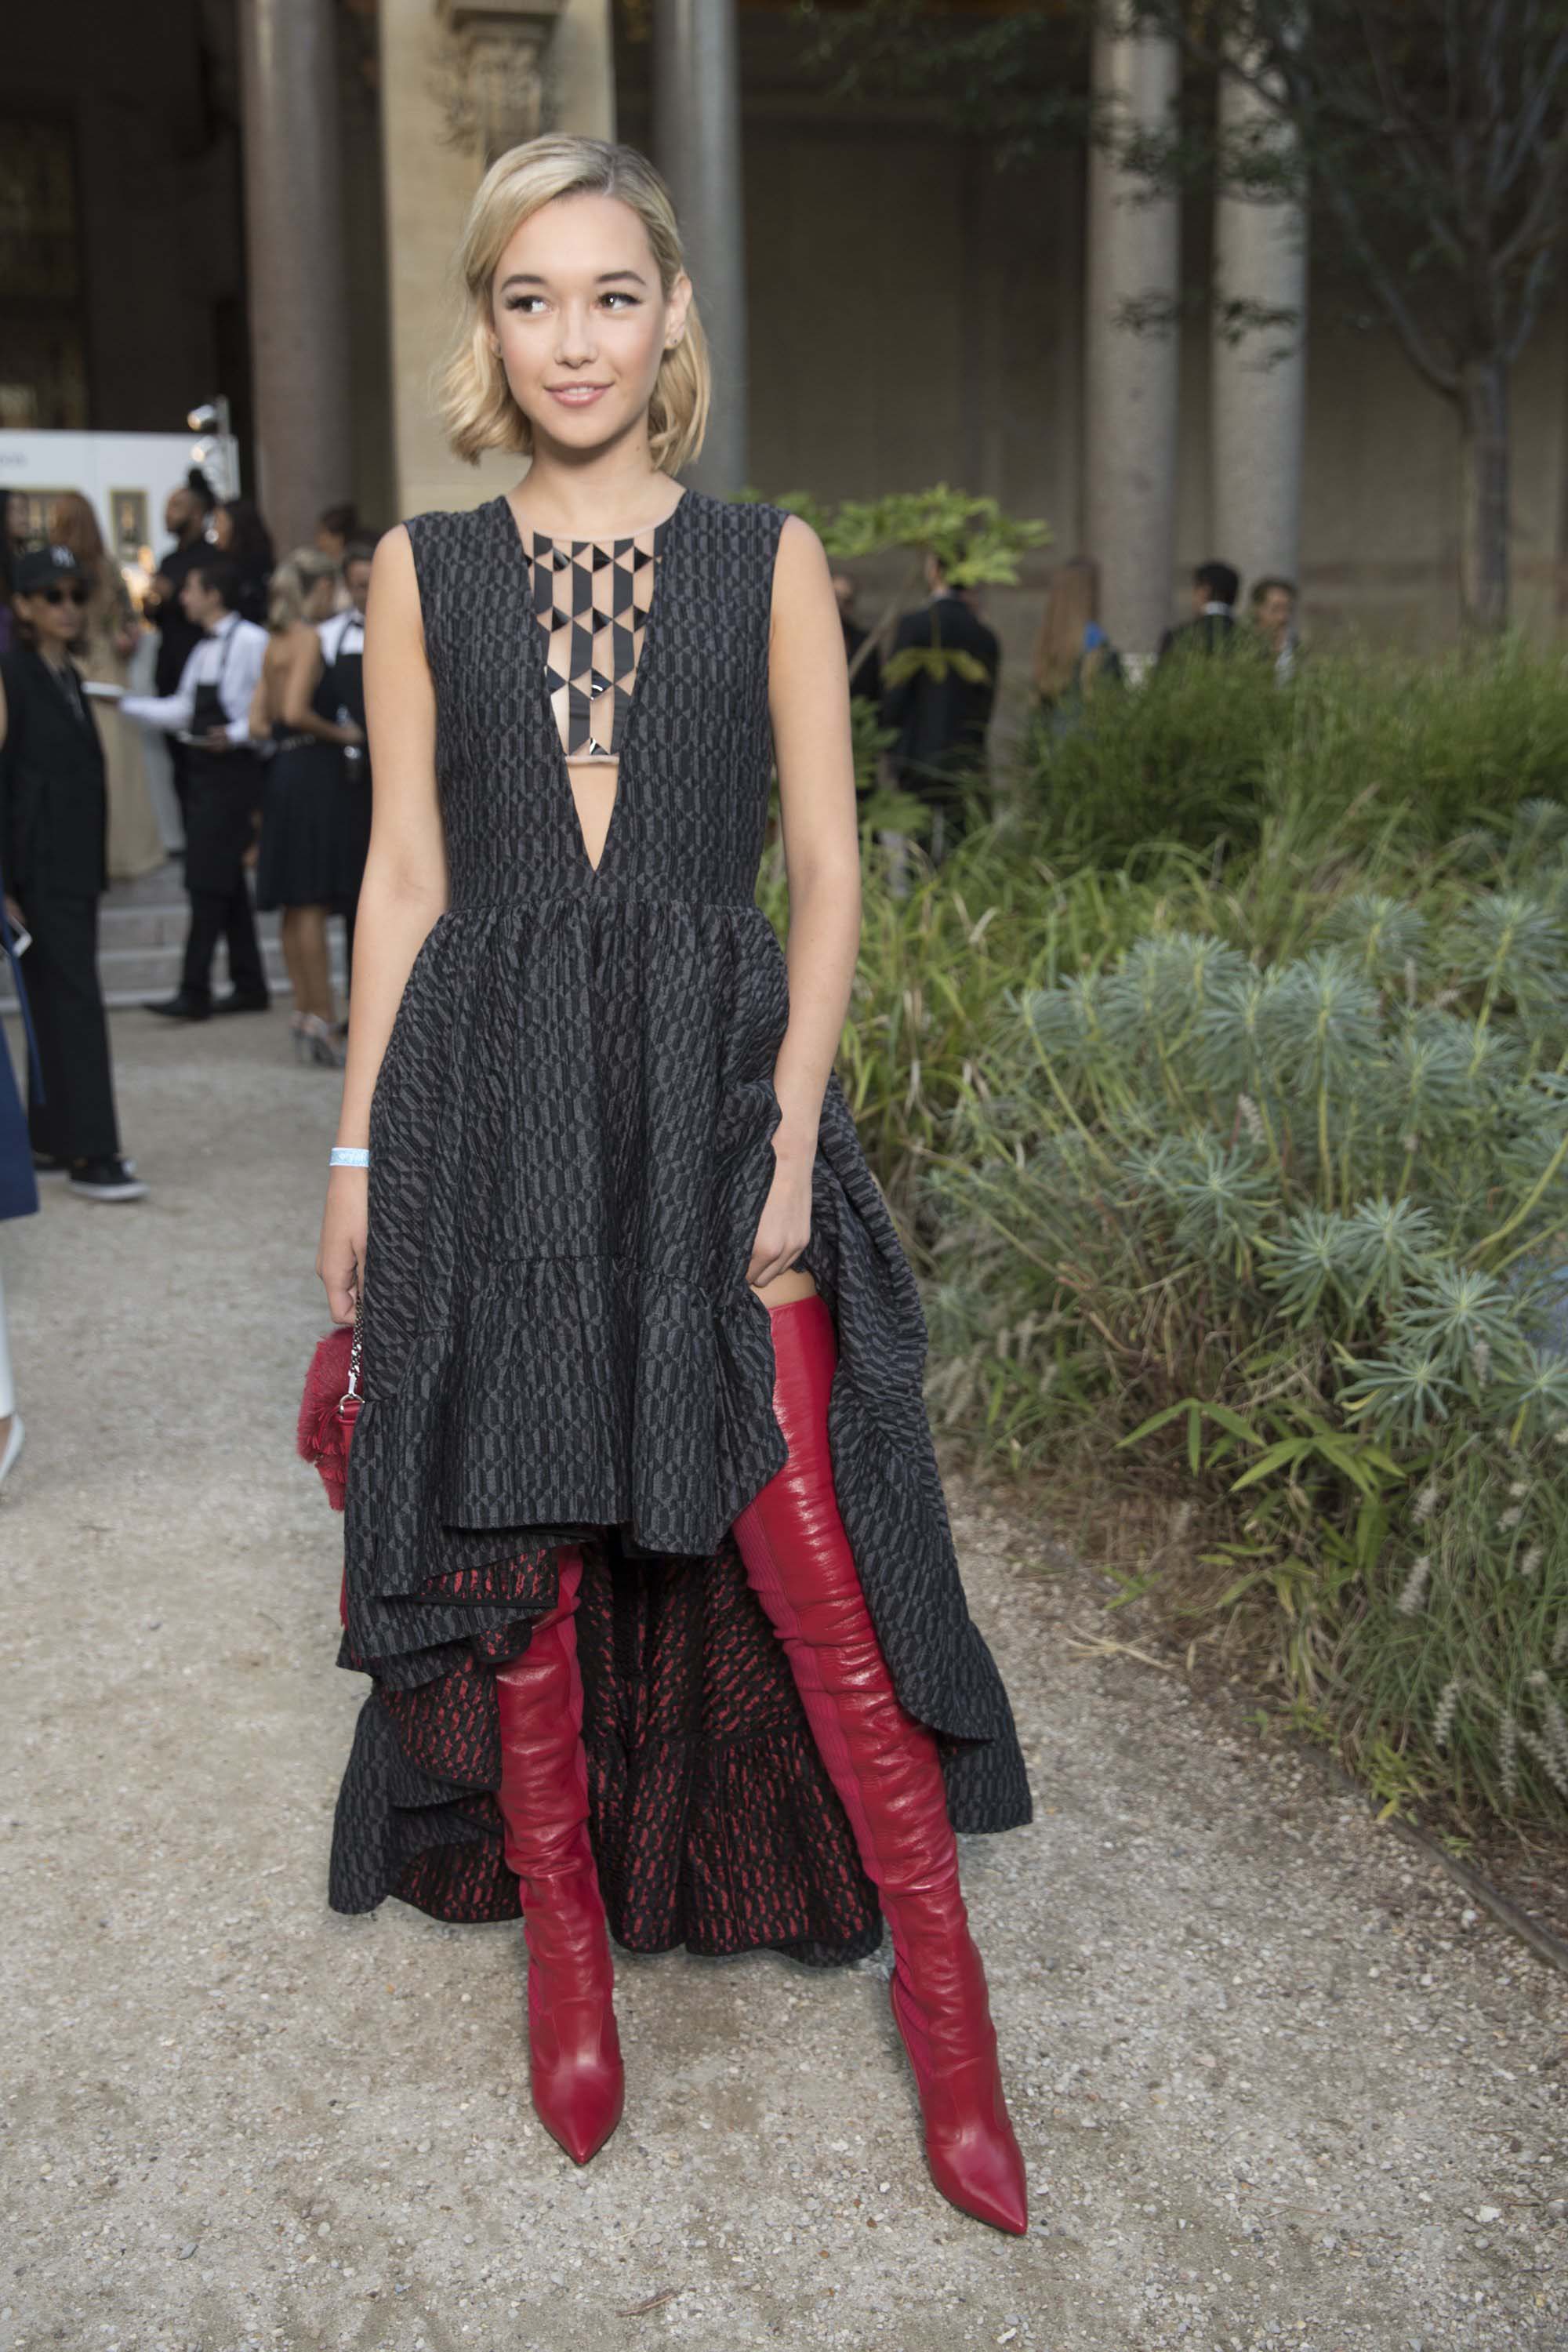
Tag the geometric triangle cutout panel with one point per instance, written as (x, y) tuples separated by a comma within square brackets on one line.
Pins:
[(593, 597)]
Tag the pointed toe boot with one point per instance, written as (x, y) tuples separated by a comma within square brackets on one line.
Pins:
[(887, 1770), (577, 2079)]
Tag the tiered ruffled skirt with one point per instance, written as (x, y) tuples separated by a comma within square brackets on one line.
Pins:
[(571, 1150)]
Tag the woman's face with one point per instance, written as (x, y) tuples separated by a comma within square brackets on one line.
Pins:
[(580, 321), (321, 599), (221, 529), (57, 613)]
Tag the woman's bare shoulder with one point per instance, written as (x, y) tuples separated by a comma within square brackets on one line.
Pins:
[(803, 579)]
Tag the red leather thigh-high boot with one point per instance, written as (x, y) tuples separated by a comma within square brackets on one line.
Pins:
[(579, 2087), (885, 1767)]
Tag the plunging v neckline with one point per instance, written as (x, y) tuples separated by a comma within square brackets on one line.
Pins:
[(537, 660)]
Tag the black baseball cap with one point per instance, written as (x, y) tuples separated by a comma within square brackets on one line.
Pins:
[(31, 573)]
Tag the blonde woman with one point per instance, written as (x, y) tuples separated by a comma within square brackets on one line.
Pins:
[(647, 1558), (102, 655), (305, 866)]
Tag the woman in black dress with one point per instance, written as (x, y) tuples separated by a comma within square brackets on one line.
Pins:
[(343, 650), (308, 864), (648, 1557)]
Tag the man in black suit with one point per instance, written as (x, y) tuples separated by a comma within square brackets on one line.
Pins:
[(941, 711), (54, 816), (1212, 629)]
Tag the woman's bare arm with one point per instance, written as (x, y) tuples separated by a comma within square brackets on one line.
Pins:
[(808, 700), (260, 719), (405, 884), (303, 666)]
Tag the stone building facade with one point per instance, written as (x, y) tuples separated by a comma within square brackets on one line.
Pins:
[(261, 197)]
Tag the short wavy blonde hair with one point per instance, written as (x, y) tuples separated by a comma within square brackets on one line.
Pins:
[(293, 583), (473, 398)]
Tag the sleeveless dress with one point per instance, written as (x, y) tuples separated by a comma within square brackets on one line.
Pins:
[(571, 1148), (305, 859), (343, 687)]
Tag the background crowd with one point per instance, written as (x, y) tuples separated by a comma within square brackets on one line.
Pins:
[(258, 686), (933, 689)]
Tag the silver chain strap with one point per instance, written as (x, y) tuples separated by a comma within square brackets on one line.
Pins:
[(351, 1395)]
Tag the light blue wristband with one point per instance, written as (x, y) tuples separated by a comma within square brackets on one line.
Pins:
[(348, 1155)]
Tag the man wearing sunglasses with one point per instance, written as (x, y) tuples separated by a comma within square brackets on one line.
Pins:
[(54, 816)]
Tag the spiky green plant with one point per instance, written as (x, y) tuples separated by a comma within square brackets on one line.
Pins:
[(1327, 1197)]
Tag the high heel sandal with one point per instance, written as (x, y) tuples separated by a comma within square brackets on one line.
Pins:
[(578, 2080), (322, 1046), (885, 1767), (297, 1033)]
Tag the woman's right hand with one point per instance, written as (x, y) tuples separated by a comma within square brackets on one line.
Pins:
[(341, 1258)]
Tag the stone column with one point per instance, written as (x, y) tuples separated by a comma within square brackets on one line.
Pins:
[(294, 252), (1132, 364), (1259, 370), (460, 81), (696, 147)]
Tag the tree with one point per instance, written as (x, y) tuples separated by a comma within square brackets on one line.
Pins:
[(1427, 139)]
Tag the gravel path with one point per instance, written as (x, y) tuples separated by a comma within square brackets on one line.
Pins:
[(1275, 2085)]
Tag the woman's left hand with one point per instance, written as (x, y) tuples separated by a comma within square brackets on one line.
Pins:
[(784, 1227)]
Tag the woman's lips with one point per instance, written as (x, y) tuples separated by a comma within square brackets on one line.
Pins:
[(576, 396)]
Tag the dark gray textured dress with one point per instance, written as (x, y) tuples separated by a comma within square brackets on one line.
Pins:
[(571, 1148)]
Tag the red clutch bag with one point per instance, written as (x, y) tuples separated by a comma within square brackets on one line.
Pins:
[(327, 1411), (330, 1408)]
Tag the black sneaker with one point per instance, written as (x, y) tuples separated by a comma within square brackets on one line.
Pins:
[(107, 1179), (243, 999), (183, 1006)]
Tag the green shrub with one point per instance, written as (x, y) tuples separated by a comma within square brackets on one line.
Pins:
[(1459, 1650), (1255, 1155), (1206, 753), (1296, 1227), (938, 951), (1182, 759)]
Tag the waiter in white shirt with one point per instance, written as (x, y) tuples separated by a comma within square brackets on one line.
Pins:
[(209, 711), (342, 653)]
